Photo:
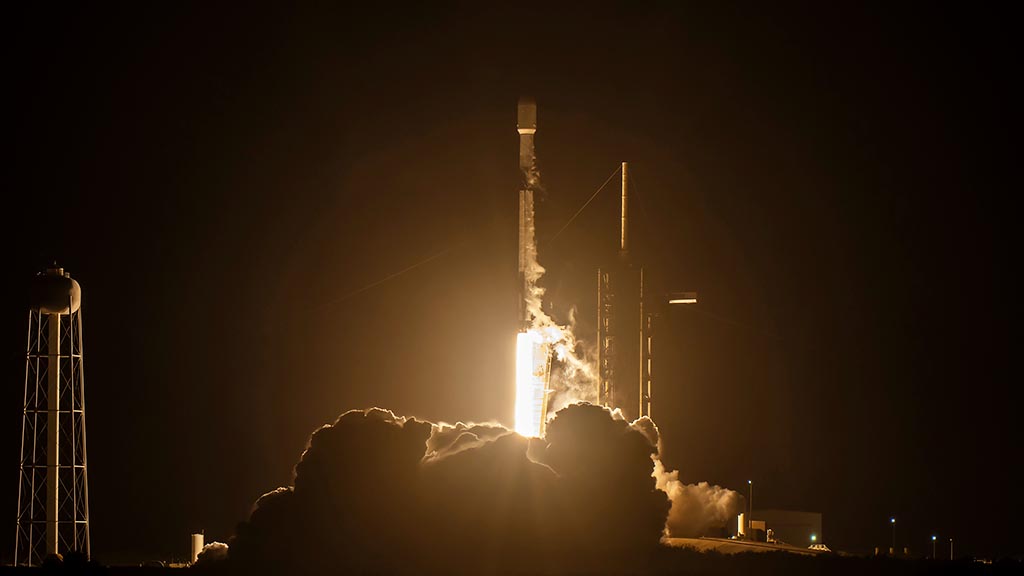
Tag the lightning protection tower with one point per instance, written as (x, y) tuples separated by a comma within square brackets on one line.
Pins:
[(623, 327), (628, 312), (53, 491)]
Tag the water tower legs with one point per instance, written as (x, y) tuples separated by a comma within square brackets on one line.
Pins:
[(52, 429)]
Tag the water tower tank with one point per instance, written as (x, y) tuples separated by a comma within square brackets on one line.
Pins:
[(54, 292)]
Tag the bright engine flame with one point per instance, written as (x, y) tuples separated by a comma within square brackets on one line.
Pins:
[(533, 367)]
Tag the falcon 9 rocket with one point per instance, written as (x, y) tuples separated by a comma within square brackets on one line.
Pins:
[(533, 352)]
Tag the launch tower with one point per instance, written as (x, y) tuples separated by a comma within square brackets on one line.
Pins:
[(624, 327), (627, 316)]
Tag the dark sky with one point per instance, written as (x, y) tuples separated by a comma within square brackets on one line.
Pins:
[(222, 183)]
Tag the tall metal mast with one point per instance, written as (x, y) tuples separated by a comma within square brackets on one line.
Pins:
[(624, 229)]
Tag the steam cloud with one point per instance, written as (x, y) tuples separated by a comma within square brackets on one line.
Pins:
[(211, 554), (575, 378), (383, 493), (697, 509)]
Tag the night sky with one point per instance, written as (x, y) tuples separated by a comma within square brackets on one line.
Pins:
[(230, 185)]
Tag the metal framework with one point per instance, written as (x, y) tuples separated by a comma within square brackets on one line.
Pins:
[(53, 490), (646, 353), (626, 321), (605, 338), (625, 337), (623, 327)]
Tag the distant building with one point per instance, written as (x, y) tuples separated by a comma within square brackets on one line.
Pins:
[(800, 529)]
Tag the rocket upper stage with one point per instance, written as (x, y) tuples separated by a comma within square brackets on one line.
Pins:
[(527, 126), (527, 115)]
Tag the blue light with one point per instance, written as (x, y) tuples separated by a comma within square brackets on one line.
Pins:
[(933, 538), (893, 520)]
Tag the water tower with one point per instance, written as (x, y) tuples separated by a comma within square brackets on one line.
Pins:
[(53, 492)]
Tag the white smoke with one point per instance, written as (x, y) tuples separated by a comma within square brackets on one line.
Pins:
[(447, 439), (697, 509), (212, 553), (575, 376)]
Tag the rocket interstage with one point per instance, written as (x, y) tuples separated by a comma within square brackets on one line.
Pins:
[(527, 126)]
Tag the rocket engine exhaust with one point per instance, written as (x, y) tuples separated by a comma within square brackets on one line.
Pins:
[(533, 371)]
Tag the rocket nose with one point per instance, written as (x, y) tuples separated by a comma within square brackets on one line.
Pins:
[(527, 115)]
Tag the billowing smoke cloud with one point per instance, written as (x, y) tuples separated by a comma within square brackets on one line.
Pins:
[(352, 506), (378, 492), (697, 509), (574, 377), (211, 554)]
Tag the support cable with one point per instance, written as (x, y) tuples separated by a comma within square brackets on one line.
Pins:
[(445, 251), (585, 204), (391, 276), (437, 255)]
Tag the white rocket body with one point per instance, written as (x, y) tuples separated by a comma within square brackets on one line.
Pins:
[(527, 126)]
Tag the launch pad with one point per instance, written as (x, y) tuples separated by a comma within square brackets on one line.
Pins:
[(627, 310)]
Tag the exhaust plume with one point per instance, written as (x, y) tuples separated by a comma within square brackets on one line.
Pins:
[(378, 492), (575, 378), (698, 509)]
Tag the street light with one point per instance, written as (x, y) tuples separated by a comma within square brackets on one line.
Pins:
[(933, 547), (893, 522), (750, 500), (682, 298), (950, 548)]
